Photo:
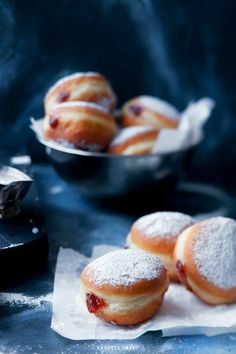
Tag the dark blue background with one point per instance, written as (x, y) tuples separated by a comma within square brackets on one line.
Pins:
[(177, 50)]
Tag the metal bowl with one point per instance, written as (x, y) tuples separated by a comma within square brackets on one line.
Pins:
[(102, 175)]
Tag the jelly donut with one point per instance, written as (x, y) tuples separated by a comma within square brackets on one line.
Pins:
[(124, 287), (148, 110), (81, 125), (205, 256), (89, 87), (134, 140), (157, 234)]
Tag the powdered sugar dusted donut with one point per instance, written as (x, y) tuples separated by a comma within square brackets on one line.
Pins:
[(89, 87), (134, 141), (205, 257), (148, 110), (81, 125), (157, 234), (125, 287)]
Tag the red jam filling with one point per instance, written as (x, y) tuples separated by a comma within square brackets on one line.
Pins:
[(94, 303), (135, 109), (182, 274), (181, 271), (53, 121), (63, 96)]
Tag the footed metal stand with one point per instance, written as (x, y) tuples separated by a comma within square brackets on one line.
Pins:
[(23, 240)]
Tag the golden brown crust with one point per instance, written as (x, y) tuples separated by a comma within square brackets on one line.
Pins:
[(160, 247), (194, 281), (80, 124), (173, 275), (132, 317), (155, 244), (132, 141), (157, 234), (90, 87), (135, 113)]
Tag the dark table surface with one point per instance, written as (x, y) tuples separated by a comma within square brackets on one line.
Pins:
[(74, 222)]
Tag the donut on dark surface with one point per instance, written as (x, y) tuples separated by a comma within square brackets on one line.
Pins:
[(82, 125), (134, 140), (124, 287), (148, 110), (88, 87), (205, 256), (157, 234)]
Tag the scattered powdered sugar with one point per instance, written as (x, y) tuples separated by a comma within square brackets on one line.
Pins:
[(64, 143), (81, 144), (20, 300), (159, 106), (35, 230), (215, 251), (57, 189), (128, 133), (124, 268), (163, 224), (11, 245), (21, 160)]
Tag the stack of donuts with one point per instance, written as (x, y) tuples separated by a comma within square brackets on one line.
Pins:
[(127, 287), (80, 113)]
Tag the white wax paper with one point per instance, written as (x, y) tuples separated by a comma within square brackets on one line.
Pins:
[(181, 313), (190, 129)]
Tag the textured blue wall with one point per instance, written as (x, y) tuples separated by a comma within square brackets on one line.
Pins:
[(177, 50)]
